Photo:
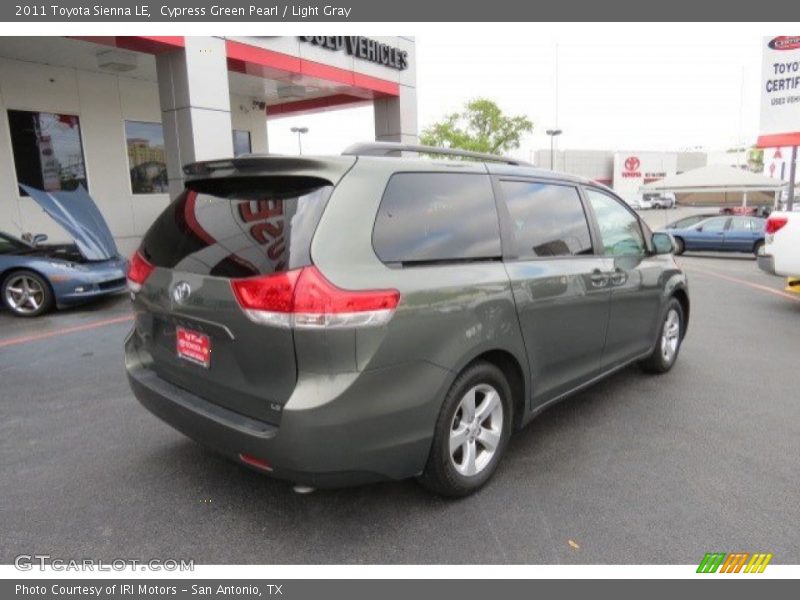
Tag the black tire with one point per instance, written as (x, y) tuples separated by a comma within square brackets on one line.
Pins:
[(759, 245), (680, 246), (440, 475), (659, 361), (44, 297)]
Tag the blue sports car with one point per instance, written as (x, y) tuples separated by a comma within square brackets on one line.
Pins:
[(34, 277), (721, 234)]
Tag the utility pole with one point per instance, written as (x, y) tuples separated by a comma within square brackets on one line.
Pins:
[(299, 131), (792, 177), (553, 133)]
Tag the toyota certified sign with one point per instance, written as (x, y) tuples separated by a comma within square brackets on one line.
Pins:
[(780, 92)]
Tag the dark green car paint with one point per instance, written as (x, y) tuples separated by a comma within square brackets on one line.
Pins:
[(341, 406)]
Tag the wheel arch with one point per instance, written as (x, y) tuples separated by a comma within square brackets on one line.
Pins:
[(682, 296), (514, 374)]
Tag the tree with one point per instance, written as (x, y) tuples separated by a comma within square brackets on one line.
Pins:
[(480, 127)]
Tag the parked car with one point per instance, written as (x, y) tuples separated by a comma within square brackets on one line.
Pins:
[(781, 254), (642, 203), (721, 234), (338, 320), (757, 210), (662, 201), (35, 278), (687, 221)]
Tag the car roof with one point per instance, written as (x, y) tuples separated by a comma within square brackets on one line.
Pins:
[(333, 167)]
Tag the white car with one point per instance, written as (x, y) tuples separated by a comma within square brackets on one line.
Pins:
[(662, 201), (642, 203), (781, 254)]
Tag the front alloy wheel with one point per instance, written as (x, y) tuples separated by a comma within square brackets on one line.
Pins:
[(27, 294), (670, 336), (669, 341)]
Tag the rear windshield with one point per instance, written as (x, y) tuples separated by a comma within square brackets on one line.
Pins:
[(239, 227)]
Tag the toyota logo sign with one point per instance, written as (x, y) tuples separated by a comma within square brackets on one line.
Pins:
[(632, 163), (181, 292)]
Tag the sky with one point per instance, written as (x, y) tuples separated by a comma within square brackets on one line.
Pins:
[(621, 87)]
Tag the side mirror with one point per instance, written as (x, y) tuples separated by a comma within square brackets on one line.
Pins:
[(39, 238), (662, 243)]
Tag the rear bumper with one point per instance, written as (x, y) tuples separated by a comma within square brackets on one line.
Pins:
[(766, 262), (335, 430)]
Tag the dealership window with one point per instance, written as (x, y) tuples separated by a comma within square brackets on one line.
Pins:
[(241, 142), (146, 157), (546, 219), (619, 228), (425, 217), (48, 153)]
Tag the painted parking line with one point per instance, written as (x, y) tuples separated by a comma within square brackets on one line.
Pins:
[(65, 331), (750, 284)]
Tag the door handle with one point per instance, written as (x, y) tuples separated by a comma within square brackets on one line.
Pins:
[(618, 277), (598, 278)]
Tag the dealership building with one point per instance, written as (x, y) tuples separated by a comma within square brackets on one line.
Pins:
[(121, 114)]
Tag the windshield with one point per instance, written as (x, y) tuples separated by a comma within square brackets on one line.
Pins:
[(11, 245)]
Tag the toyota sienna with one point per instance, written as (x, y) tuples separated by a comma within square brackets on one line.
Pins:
[(339, 320)]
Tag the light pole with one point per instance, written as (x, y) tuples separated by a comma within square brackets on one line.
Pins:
[(299, 131), (552, 133)]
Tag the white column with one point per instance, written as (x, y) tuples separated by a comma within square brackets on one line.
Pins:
[(195, 105), (396, 118)]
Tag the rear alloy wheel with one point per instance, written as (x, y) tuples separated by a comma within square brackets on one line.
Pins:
[(679, 246), (27, 294), (758, 249), (669, 342), (471, 433)]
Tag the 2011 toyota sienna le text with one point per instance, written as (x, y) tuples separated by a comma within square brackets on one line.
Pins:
[(337, 320)]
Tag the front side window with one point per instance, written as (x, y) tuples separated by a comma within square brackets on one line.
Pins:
[(546, 219), (619, 228), (48, 154), (425, 217), (147, 158)]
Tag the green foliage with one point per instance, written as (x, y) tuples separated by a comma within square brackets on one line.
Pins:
[(480, 127)]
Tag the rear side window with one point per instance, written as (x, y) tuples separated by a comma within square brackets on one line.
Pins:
[(427, 217), (239, 228), (546, 219)]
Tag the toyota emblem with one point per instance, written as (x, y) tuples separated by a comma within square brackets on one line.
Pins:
[(632, 163), (181, 292)]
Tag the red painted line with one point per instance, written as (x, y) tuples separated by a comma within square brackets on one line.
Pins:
[(755, 286), (41, 336)]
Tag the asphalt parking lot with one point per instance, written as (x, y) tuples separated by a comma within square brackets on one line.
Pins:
[(638, 469)]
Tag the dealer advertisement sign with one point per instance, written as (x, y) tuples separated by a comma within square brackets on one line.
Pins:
[(633, 169), (780, 92)]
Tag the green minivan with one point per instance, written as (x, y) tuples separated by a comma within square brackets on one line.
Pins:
[(339, 320)]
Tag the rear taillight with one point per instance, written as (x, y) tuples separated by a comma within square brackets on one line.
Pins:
[(304, 299), (775, 223), (138, 271)]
